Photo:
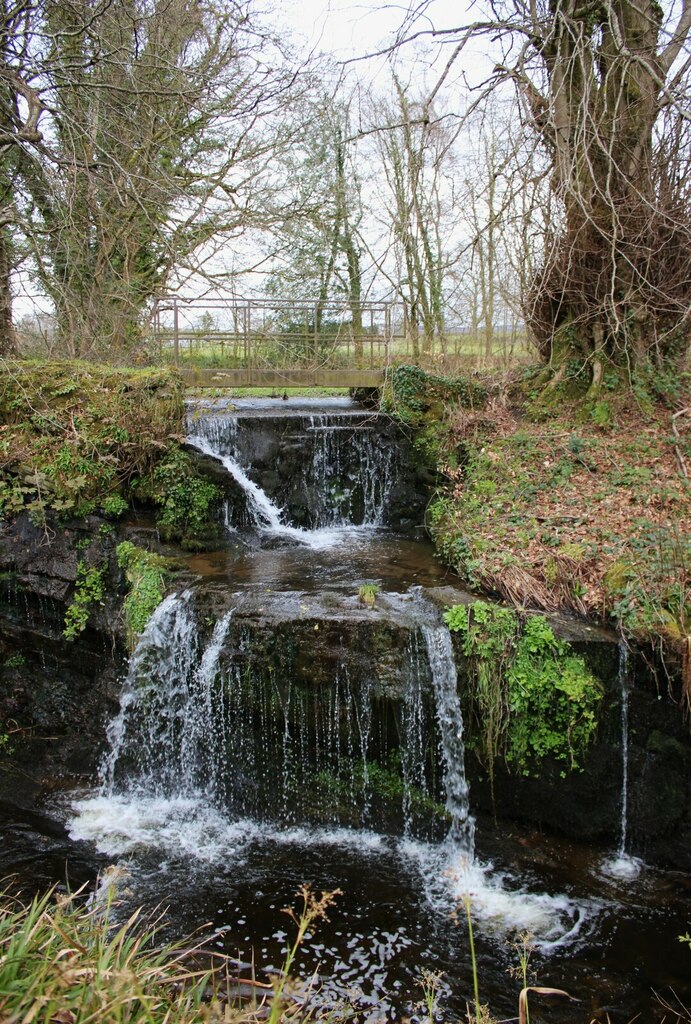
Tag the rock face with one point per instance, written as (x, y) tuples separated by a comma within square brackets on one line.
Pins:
[(335, 653), (587, 804), (57, 694)]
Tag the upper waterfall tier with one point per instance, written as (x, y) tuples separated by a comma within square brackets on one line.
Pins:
[(308, 464)]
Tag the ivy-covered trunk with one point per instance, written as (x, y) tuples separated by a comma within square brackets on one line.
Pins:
[(614, 283)]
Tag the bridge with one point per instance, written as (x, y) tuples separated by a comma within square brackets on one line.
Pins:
[(277, 343)]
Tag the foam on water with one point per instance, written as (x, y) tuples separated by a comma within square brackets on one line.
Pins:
[(176, 827), (622, 865), (498, 905), (189, 828)]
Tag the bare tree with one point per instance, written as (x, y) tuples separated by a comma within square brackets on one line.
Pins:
[(414, 152), (604, 87), (20, 109)]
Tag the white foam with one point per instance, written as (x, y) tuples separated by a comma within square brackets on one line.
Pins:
[(498, 904), (344, 838), (622, 865), (178, 827), (190, 829)]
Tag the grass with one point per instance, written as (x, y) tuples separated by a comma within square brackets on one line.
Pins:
[(62, 961), (367, 592), (204, 351), (267, 392), (68, 962)]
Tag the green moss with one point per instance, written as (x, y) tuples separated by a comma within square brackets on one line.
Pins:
[(186, 501), (415, 397), (383, 782), (75, 436), (146, 575), (531, 697)]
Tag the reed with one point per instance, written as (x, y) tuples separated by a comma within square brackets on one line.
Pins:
[(65, 961)]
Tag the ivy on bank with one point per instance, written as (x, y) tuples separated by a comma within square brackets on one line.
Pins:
[(423, 402), (77, 438), (531, 697), (185, 499), (89, 589)]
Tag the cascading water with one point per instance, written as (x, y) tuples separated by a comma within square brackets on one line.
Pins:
[(230, 746), (205, 719), (450, 719), (622, 864), (329, 474)]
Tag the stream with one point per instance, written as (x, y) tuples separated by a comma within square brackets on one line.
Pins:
[(275, 730)]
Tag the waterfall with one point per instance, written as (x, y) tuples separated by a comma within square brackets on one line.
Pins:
[(348, 468), (450, 719), (248, 715), (622, 864), (333, 465), (263, 512), (624, 688), (218, 742), (214, 719)]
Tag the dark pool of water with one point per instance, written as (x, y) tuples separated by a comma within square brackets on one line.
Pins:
[(615, 944)]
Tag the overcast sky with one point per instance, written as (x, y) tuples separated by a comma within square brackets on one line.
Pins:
[(353, 28), (343, 27)]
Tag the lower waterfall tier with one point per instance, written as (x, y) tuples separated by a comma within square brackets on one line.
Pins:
[(272, 712)]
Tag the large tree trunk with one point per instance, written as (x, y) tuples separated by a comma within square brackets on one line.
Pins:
[(612, 287)]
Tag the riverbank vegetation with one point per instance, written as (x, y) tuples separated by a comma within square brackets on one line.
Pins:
[(560, 503), (77, 438), (530, 696), (69, 961)]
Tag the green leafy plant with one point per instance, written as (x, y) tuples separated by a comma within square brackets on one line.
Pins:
[(115, 506), (185, 498), (5, 743), (89, 589), (146, 579), (490, 634), (15, 661), (367, 593), (531, 696)]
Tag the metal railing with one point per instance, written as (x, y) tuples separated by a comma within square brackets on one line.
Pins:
[(273, 334)]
